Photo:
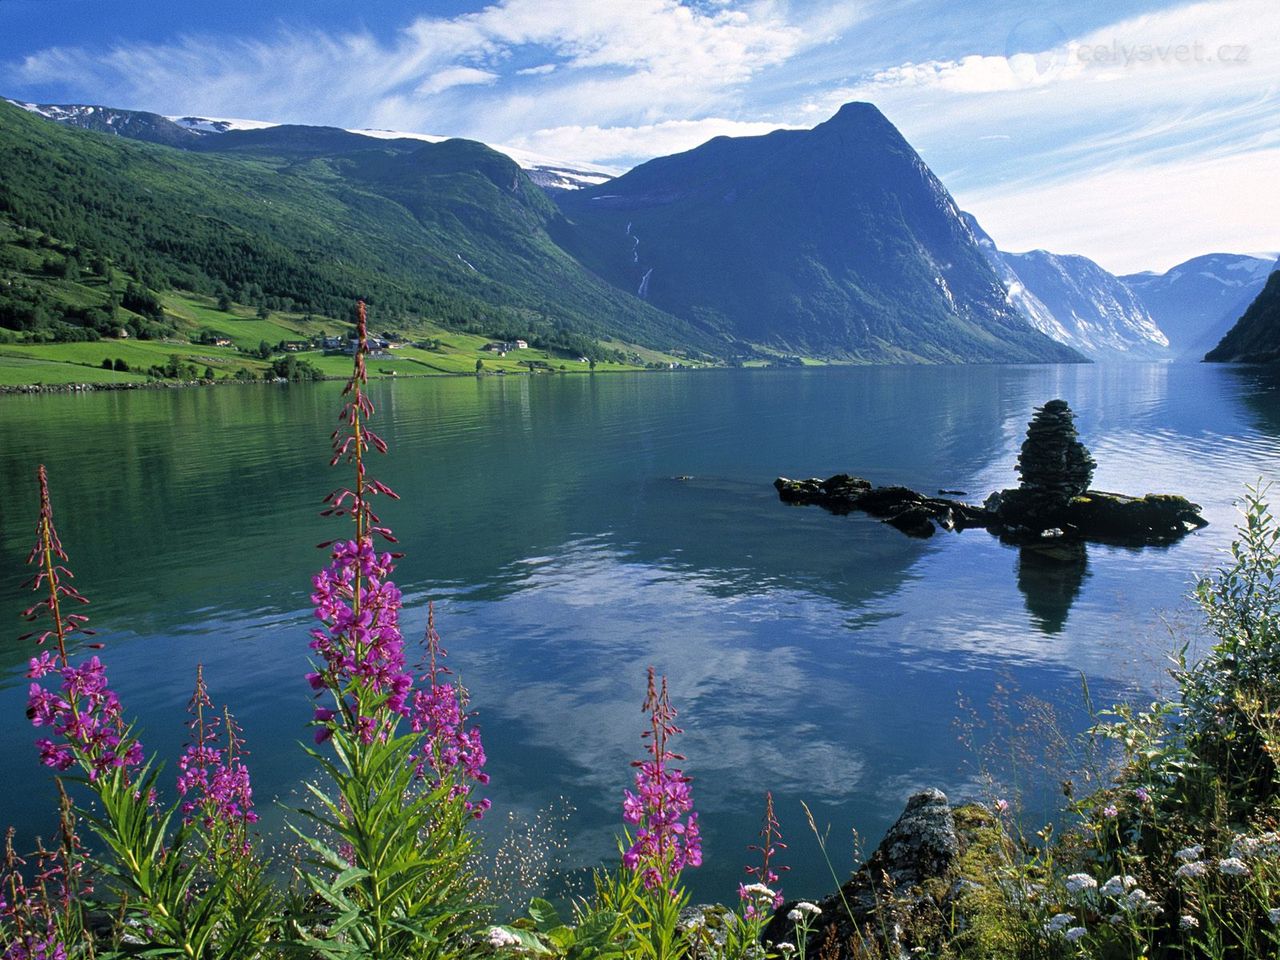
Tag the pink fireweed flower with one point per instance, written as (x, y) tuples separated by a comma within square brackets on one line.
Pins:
[(666, 840), (766, 877), (88, 720), (352, 440), (212, 778), (360, 644), (86, 715), (450, 749)]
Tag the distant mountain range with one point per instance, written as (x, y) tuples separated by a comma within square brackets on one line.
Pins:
[(1197, 302), (1076, 302), (834, 242), (188, 132), (310, 219)]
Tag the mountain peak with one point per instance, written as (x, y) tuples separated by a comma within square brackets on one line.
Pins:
[(858, 111)]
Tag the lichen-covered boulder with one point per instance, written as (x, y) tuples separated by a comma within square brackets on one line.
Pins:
[(900, 899)]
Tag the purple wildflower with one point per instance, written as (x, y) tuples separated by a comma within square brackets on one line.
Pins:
[(212, 778), (86, 715), (361, 645), (29, 913), (664, 842), (450, 748)]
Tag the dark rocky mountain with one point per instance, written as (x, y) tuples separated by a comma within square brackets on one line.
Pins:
[(134, 124), (1256, 336), (836, 241), (1197, 302), (1075, 301)]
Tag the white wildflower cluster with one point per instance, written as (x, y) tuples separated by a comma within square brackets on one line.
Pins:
[(1058, 922), (786, 949), (1188, 854), (1188, 922), (1074, 933), (1232, 867), (1079, 883), (1118, 886), (1139, 901), (1192, 869), (758, 891), (1274, 916), (798, 912), (1264, 846), (498, 937)]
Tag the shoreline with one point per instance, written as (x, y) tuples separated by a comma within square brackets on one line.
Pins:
[(87, 387)]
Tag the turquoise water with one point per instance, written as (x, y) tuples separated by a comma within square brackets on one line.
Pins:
[(829, 659)]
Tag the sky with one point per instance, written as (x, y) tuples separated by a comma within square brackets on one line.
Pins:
[(1139, 133)]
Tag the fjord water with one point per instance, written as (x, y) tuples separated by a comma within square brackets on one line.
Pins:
[(575, 530)]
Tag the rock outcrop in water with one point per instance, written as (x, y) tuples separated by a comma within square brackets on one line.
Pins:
[(1052, 502), (913, 513)]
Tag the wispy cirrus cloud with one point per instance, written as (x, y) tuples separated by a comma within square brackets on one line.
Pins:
[(603, 66), (1140, 143)]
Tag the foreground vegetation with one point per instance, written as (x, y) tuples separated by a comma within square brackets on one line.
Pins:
[(1176, 853)]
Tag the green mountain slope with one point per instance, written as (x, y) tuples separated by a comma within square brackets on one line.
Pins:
[(835, 241), (451, 233), (1256, 336)]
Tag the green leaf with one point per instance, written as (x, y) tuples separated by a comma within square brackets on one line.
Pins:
[(543, 914)]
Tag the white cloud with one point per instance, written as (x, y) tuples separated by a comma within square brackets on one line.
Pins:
[(607, 64), (455, 77)]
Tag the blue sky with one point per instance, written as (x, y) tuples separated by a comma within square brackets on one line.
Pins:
[(1136, 132)]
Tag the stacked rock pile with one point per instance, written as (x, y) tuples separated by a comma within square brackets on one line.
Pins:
[(1054, 465)]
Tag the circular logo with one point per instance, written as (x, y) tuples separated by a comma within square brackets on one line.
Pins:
[(1036, 50)]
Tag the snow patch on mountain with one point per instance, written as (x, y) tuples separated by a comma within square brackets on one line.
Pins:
[(1197, 302), (543, 170), (1075, 301), (221, 124)]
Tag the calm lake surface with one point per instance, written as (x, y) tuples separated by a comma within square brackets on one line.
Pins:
[(826, 658)]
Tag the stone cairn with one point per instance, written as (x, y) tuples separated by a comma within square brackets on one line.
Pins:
[(1054, 465)]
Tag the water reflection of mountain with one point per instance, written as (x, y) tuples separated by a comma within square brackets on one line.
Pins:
[(205, 500), (1258, 390)]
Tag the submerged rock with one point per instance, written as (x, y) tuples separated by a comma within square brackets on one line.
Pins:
[(1018, 516)]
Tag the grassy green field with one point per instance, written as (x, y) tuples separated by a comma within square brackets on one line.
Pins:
[(241, 324), (451, 353), (16, 371)]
